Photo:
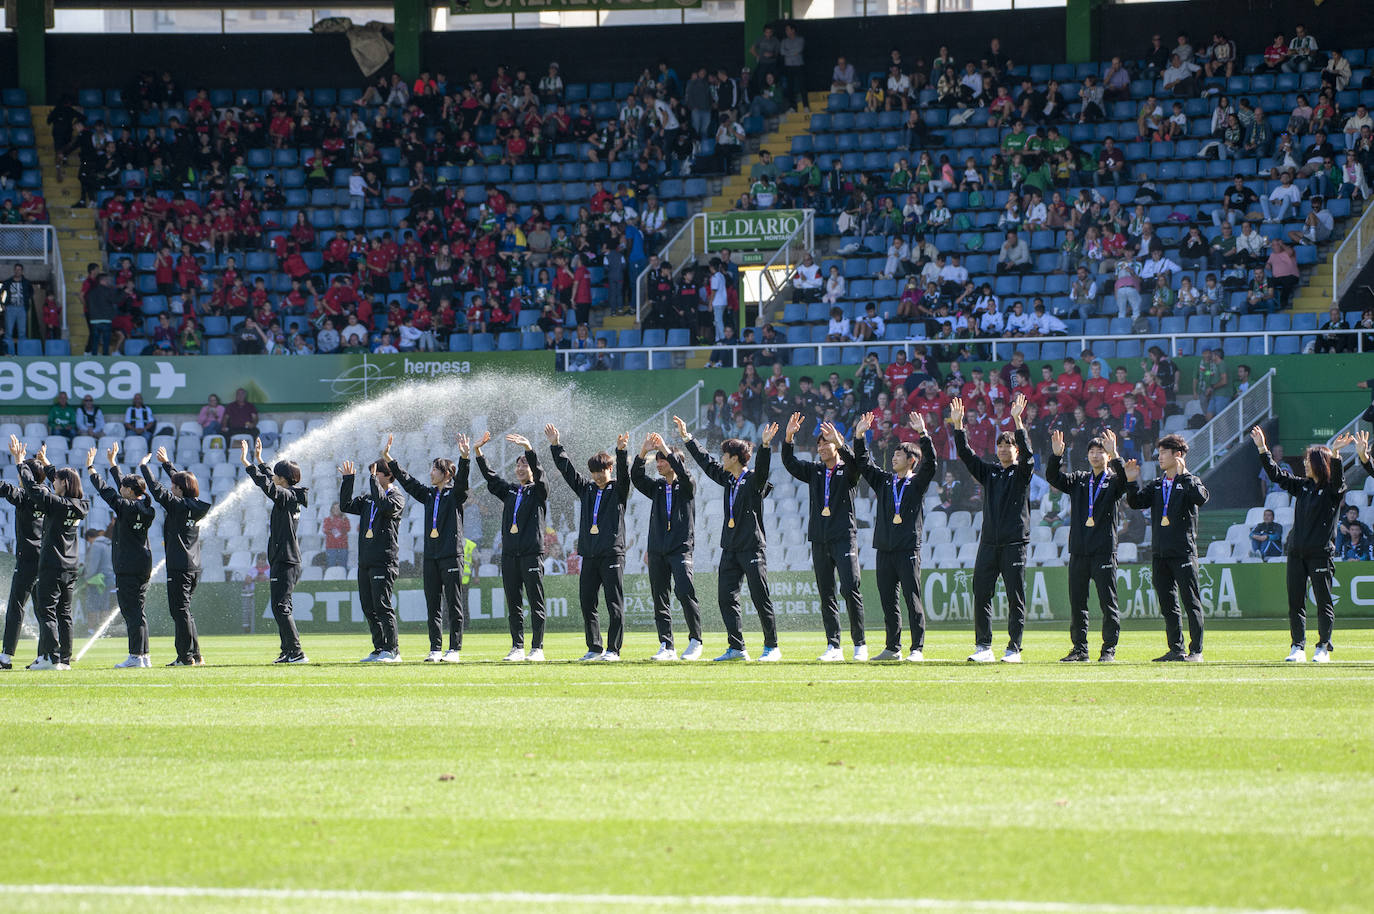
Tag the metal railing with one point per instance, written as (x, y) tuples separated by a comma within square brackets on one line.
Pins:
[(686, 406), (26, 244), (680, 250), (1350, 257), (1209, 444), (997, 348), (784, 261)]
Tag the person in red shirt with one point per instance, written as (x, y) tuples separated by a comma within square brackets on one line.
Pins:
[(257, 297), (1151, 397), (52, 318), (335, 528), (1070, 387), (145, 235), (516, 148), (196, 233), (1001, 419), (476, 316), (303, 233), (1118, 389), (500, 318), (32, 207), (378, 269), (600, 196), (336, 255), (1048, 388), (582, 292), (976, 391), (280, 130), (978, 428), (1094, 389), (295, 266), (898, 372), (188, 269), (223, 229)]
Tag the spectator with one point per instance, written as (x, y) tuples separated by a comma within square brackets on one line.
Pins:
[(1014, 257), (62, 418), (335, 528), (870, 326), (834, 287), (1336, 73), (842, 76), (90, 420), (807, 284), (250, 340), (1282, 200), (139, 419), (1302, 51), (241, 416), (1335, 342), (1283, 266), (1212, 384), (792, 49), (1177, 78), (1266, 537), (1111, 164), (1357, 545), (1317, 227), (16, 300), (211, 417), (1350, 520), (838, 329), (1127, 289), (102, 308)]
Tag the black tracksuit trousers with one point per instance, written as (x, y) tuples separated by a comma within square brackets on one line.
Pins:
[(604, 573), (23, 587), (736, 567), (901, 571), (1319, 570), (445, 596), (828, 559), (1175, 578), (377, 595), (180, 587), (131, 591), (1098, 569), (1009, 563), (284, 578), (521, 576), (668, 574)]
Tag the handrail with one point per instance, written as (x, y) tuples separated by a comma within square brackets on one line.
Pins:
[(661, 421), (668, 253), (783, 258), (993, 344), (1361, 235), (1209, 444)]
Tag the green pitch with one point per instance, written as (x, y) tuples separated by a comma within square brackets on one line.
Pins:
[(1240, 784)]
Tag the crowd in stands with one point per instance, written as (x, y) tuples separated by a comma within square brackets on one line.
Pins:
[(357, 221), (87, 419)]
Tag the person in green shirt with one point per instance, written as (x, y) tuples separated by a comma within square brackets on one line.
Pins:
[(1016, 174), (1015, 141), (1055, 142), (62, 418), (765, 166), (1162, 304), (1035, 147), (925, 169), (900, 179), (1211, 384), (765, 192)]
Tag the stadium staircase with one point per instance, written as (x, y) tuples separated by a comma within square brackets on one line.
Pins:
[(779, 141), (76, 228), (1316, 294)]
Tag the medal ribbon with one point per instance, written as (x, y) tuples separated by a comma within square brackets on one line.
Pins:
[(434, 524), (519, 497), (898, 493), (1166, 489), (668, 503), (828, 472), (734, 491), (1095, 485), (596, 509)]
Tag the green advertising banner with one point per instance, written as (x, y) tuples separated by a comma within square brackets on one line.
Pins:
[(752, 231), (1239, 592), (281, 382), (1228, 592)]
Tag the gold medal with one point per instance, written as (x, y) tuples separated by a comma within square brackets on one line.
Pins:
[(896, 518), (825, 512), (594, 530), (514, 528), (434, 534), (1164, 522), (1090, 523), (732, 522), (369, 534)]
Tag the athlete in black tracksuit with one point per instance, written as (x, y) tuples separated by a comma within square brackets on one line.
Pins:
[(523, 516), (442, 567), (57, 560), (133, 560), (901, 495), (743, 540), (28, 536), (181, 544), (1173, 501), (672, 538), (379, 528), (1006, 530), (1093, 496), (600, 544), (1316, 505), (283, 548), (832, 532)]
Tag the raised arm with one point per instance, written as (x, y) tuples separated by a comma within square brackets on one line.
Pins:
[(1137, 496), (925, 473), (576, 481), (709, 465), (464, 470), (160, 494), (763, 465), (639, 478), (347, 503), (622, 468), (801, 469)]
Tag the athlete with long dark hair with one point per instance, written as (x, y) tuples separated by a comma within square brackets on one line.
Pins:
[(183, 511), (525, 508), (281, 483), (1317, 498), (133, 560)]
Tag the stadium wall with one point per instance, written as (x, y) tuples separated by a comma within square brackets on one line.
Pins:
[(1313, 397)]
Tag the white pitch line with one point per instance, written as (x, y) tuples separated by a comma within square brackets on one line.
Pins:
[(634, 901)]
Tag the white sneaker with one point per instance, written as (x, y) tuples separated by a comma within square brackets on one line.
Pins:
[(1321, 655), (6, 661), (42, 663), (434, 657), (1296, 655), (861, 652), (590, 655), (516, 655), (389, 657), (664, 653), (693, 651), (133, 662), (145, 662), (1010, 656), (63, 666), (298, 658), (610, 657), (831, 655), (536, 655), (373, 657), (732, 654), (451, 656), (981, 655), (769, 655), (915, 657)]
